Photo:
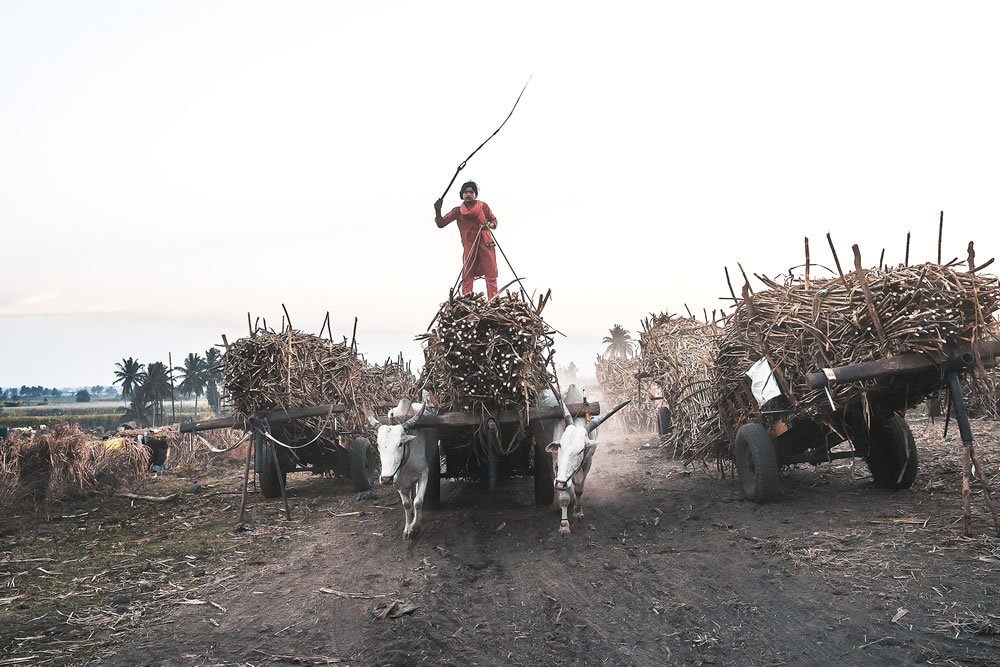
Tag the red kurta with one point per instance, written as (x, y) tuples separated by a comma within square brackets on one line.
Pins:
[(479, 259)]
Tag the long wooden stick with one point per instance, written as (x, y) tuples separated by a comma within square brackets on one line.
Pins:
[(860, 272), (730, 283), (940, 235), (807, 262), (836, 260), (246, 474)]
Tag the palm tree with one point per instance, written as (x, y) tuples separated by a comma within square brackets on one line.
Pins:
[(139, 408), (130, 374), (620, 345), (157, 386), (194, 376)]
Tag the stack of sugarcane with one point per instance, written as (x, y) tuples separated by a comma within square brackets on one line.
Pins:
[(391, 381), (271, 370), (801, 325), (678, 354), (620, 381), (487, 354)]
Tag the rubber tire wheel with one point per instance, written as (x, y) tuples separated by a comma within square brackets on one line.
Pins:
[(663, 425), (756, 463), (545, 491), (360, 452), (892, 450), (269, 484), (432, 496)]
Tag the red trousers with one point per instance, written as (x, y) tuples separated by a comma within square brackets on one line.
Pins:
[(491, 285)]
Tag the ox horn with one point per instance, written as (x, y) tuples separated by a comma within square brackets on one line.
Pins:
[(600, 419), (566, 415), (412, 421), (374, 422)]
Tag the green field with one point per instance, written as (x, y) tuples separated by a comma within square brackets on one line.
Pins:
[(95, 414)]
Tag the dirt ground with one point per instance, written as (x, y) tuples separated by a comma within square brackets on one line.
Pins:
[(669, 565)]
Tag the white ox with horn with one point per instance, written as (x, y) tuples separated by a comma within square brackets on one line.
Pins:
[(572, 453), (404, 460)]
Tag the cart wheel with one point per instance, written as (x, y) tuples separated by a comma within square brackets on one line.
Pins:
[(270, 487), (892, 454), (756, 463), (360, 465), (432, 496), (545, 492)]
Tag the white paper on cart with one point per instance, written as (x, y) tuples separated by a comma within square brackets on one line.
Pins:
[(762, 382)]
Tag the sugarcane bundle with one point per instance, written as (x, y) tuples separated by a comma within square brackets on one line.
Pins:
[(390, 381), (620, 381), (678, 354), (487, 354), (271, 370), (800, 325)]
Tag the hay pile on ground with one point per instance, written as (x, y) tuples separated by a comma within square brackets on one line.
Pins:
[(678, 354), (62, 464), (487, 354), (619, 382), (802, 325)]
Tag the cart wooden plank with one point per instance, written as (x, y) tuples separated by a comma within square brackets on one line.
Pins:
[(469, 418)]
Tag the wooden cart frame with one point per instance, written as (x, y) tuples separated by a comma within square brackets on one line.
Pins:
[(510, 445), (764, 440)]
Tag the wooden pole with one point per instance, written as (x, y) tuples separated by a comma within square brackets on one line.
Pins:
[(906, 261), (837, 261), (860, 272), (745, 279), (940, 235), (807, 263), (730, 283), (251, 446), (170, 374)]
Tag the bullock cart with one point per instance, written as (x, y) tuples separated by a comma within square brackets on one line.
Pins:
[(765, 439), (487, 445), (331, 449)]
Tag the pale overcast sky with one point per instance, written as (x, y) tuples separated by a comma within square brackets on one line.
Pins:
[(166, 167)]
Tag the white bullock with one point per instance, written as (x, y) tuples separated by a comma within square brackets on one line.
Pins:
[(404, 461), (572, 452)]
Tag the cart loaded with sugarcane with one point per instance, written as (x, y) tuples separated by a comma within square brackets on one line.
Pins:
[(806, 365), (489, 372), (303, 399)]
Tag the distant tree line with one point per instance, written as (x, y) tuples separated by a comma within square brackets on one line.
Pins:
[(26, 393)]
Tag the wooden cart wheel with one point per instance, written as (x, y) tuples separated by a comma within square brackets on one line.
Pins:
[(756, 463), (663, 425), (892, 453), (361, 465), (270, 487)]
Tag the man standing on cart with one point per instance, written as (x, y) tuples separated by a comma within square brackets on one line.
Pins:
[(475, 220)]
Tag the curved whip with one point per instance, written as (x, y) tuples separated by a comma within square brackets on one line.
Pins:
[(465, 161)]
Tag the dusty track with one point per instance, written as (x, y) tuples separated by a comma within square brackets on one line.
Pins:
[(668, 565)]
